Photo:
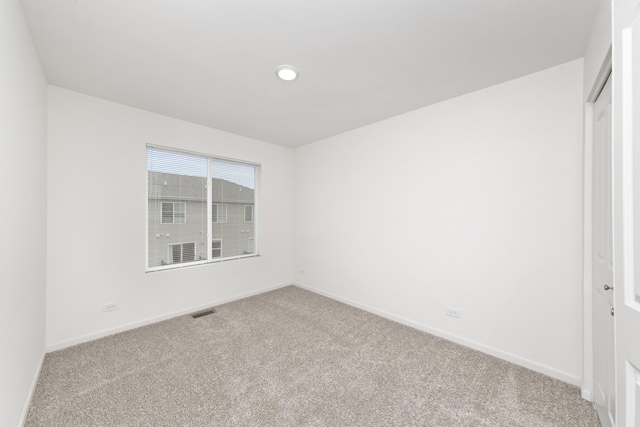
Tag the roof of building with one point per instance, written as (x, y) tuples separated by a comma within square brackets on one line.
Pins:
[(171, 186)]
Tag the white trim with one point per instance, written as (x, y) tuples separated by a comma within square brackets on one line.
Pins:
[(586, 385), (146, 205), (626, 166), (587, 249), (257, 216), (209, 211), (32, 389), (176, 265), (155, 319), (509, 357), (199, 262)]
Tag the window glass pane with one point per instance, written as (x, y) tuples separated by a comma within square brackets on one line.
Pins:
[(219, 213), (188, 252), (233, 187), (177, 207), (214, 213), (216, 249), (167, 213), (195, 203), (179, 213), (176, 253)]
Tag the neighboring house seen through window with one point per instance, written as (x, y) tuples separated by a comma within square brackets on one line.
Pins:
[(193, 201)]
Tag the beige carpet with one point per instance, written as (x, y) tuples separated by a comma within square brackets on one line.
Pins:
[(293, 358)]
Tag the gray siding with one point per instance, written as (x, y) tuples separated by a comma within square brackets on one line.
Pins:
[(235, 233), (184, 187)]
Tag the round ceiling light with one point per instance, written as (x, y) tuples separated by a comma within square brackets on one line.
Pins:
[(287, 72)]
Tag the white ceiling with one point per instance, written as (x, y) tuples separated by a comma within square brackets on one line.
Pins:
[(213, 62)]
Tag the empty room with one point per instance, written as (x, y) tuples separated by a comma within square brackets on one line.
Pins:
[(337, 213)]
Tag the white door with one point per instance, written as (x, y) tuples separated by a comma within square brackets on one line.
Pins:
[(602, 261), (626, 207)]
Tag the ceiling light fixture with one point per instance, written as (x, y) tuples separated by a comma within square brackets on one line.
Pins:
[(287, 72)]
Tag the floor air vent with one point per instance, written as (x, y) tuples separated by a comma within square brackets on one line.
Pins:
[(203, 313)]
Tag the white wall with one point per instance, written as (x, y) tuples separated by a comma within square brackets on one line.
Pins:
[(473, 203), (97, 219), (23, 104)]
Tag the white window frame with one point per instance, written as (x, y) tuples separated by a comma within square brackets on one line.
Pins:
[(181, 244), (173, 212), (244, 212), (217, 218), (209, 233)]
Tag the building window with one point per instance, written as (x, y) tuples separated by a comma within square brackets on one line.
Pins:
[(216, 248), (181, 252), (221, 196), (174, 213), (251, 245), (248, 213), (219, 213)]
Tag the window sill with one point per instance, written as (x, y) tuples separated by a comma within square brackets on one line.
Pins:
[(198, 263)]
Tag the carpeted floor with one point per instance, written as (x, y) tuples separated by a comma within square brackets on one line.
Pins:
[(293, 358)]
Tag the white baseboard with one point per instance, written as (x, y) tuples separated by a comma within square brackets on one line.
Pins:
[(509, 357), (133, 325), (32, 390), (586, 395)]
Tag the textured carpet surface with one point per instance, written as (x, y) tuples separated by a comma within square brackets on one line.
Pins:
[(293, 358)]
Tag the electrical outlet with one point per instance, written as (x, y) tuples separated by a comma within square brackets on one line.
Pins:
[(112, 306), (453, 312)]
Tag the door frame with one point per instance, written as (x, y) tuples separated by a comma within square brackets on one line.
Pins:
[(587, 223)]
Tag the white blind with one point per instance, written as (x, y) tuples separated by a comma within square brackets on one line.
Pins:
[(196, 208)]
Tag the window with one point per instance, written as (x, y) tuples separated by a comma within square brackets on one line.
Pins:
[(193, 202), (216, 248), (181, 252), (248, 213), (174, 213), (219, 213)]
